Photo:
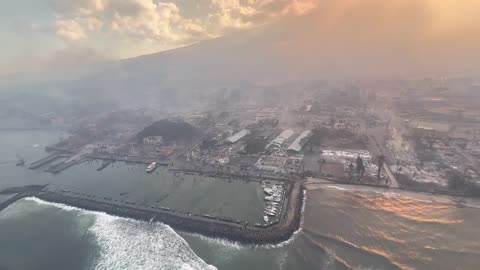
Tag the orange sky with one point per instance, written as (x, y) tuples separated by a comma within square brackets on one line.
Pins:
[(70, 28)]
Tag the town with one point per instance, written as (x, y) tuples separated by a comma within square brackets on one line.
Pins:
[(419, 135)]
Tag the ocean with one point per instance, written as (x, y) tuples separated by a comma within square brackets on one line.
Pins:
[(343, 227)]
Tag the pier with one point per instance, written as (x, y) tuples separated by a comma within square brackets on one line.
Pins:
[(46, 160), (63, 166), (105, 164)]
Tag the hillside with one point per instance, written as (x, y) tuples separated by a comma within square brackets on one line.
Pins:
[(363, 41)]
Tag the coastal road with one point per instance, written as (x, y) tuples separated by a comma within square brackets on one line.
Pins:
[(391, 176), (386, 167)]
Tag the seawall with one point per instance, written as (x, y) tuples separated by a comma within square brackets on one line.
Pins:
[(231, 231)]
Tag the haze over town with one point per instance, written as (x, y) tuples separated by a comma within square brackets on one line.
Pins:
[(234, 134)]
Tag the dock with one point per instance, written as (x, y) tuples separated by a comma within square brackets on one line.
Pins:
[(105, 164), (44, 161), (56, 168)]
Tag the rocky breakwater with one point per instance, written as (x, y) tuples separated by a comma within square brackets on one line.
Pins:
[(209, 226), (19, 193)]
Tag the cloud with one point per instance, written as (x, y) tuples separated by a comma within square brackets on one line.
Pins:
[(160, 22), (134, 20), (70, 30), (241, 14), (299, 7), (77, 8), (164, 22)]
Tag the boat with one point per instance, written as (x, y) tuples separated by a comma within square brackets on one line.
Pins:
[(269, 213), (268, 191), (151, 167), (105, 163), (20, 161), (265, 218), (271, 208), (273, 199)]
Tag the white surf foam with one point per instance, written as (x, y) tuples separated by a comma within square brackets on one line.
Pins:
[(57, 205), (130, 244)]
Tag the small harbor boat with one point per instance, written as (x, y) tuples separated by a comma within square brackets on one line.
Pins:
[(151, 167), (20, 161), (268, 191)]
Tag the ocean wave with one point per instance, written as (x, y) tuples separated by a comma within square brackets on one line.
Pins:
[(57, 205), (125, 243), (376, 255)]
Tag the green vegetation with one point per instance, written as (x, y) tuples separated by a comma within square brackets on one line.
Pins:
[(169, 130)]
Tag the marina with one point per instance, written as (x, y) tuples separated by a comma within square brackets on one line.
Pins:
[(216, 226), (274, 198)]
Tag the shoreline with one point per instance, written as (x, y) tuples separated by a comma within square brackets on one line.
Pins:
[(239, 232), (472, 202), (405, 189)]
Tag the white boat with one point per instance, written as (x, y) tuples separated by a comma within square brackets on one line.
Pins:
[(265, 218), (271, 208), (151, 167), (273, 199), (268, 191), (269, 213)]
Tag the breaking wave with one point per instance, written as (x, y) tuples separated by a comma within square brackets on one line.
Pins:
[(375, 256), (124, 243)]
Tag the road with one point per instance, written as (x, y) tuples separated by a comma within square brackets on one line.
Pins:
[(386, 167)]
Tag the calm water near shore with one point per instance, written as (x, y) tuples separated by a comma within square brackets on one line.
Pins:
[(342, 229)]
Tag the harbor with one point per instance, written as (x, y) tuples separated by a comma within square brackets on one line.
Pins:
[(210, 225)]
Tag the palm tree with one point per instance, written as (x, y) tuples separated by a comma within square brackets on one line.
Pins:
[(380, 162), (360, 167)]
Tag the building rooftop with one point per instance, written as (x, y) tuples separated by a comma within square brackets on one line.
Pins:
[(280, 139), (300, 141), (238, 136), (426, 125)]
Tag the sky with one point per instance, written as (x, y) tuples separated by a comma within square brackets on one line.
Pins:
[(40, 34), (54, 34)]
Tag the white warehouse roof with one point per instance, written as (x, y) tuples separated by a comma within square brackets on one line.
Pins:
[(238, 136), (300, 141), (280, 139)]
